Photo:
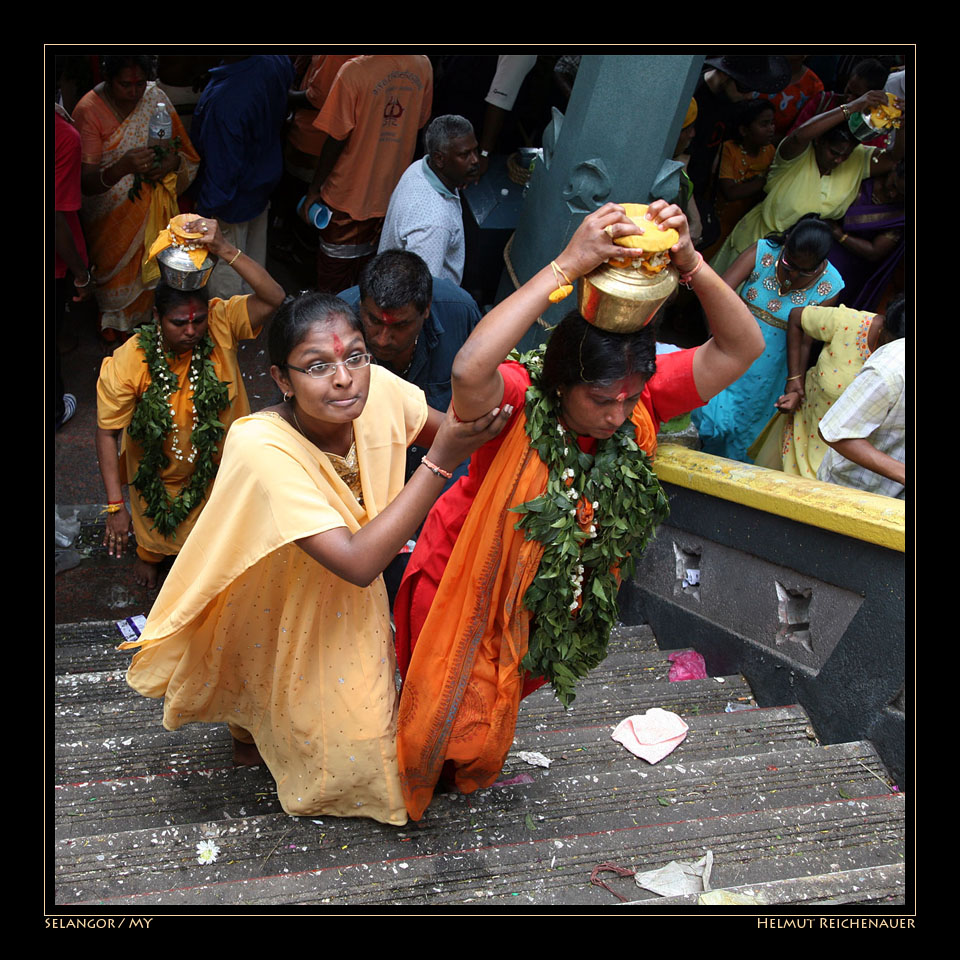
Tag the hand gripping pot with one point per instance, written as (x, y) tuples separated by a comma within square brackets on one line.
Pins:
[(623, 296)]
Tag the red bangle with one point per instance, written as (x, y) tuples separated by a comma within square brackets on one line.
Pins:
[(433, 468)]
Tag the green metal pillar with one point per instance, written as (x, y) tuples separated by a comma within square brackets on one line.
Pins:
[(615, 142)]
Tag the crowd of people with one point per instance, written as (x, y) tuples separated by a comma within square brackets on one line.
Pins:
[(404, 422)]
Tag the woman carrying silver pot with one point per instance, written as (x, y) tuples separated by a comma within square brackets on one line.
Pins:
[(169, 394)]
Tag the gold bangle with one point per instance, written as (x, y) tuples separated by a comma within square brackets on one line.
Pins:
[(797, 377), (237, 254)]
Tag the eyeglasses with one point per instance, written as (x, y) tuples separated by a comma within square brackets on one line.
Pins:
[(319, 370), (802, 273)]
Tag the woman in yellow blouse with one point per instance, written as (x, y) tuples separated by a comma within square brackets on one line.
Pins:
[(169, 394), (818, 169), (792, 442)]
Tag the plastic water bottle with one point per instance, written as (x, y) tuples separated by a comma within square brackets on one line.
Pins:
[(161, 127)]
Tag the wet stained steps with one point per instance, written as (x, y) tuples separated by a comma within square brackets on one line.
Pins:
[(788, 820)]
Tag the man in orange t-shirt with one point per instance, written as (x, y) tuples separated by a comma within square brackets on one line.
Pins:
[(371, 117)]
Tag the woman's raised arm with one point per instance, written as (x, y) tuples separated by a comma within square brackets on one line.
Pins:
[(737, 340), (477, 384), (795, 143), (267, 294)]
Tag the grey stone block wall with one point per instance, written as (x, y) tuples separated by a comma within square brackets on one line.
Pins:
[(808, 616)]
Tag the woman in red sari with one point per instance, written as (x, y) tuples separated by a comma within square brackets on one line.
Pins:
[(468, 642)]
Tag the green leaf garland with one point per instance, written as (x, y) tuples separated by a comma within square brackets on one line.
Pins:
[(153, 420), (573, 597)]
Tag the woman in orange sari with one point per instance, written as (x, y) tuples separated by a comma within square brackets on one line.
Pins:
[(486, 611), (129, 194)]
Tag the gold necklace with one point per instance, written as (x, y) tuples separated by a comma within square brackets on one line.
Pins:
[(806, 286), (347, 468)]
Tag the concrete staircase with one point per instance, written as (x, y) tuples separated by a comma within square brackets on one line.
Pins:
[(789, 821)]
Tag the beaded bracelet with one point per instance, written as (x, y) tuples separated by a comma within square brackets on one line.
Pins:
[(438, 471), (687, 278)]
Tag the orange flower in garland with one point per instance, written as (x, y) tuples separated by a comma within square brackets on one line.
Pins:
[(584, 514)]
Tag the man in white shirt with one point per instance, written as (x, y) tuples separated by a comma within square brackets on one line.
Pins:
[(424, 214), (866, 427)]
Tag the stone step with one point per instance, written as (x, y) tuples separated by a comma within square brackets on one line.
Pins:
[(754, 785), (277, 859), (880, 886), (622, 693), (136, 756), (604, 786), (91, 646)]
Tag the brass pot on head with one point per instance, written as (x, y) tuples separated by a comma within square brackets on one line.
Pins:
[(623, 299)]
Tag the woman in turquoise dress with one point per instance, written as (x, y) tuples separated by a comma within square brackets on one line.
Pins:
[(773, 277)]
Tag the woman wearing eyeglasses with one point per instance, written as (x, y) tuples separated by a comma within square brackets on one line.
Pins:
[(773, 277), (274, 618)]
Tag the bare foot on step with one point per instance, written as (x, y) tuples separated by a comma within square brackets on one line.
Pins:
[(246, 754), (146, 573)]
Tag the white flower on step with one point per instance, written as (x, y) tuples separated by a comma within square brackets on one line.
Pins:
[(207, 852)]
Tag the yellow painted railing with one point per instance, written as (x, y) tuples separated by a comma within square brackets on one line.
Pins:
[(852, 513)]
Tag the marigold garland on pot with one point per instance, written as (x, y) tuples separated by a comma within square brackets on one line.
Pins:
[(154, 419), (596, 513)]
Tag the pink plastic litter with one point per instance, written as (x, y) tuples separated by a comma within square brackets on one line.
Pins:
[(519, 778), (688, 665), (651, 736)]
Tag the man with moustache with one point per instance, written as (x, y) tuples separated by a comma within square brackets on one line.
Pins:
[(424, 215)]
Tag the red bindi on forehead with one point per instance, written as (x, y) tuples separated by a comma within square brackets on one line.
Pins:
[(337, 346), (192, 311), (621, 396), (387, 317)]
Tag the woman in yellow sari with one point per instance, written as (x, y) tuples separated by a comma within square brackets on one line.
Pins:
[(274, 618), (791, 441), (129, 194)]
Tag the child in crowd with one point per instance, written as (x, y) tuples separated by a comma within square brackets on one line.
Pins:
[(744, 162)]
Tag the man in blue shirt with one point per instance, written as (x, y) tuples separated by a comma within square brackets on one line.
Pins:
[(414, 324), (237, 130)]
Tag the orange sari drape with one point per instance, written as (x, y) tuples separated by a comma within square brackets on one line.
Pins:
[(115, 226), (463, 688)]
